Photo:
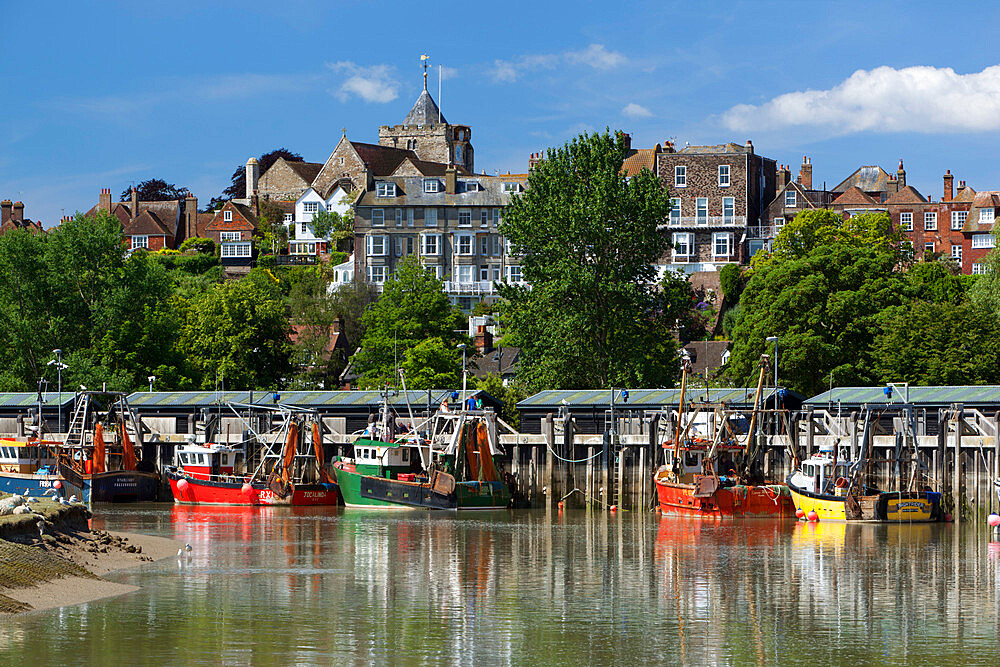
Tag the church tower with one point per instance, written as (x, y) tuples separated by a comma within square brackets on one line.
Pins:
[(427, 133)]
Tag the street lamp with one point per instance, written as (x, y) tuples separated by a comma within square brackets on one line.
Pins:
[(461, 346), (60, 366), (152, 379)]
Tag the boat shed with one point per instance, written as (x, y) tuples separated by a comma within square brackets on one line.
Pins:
[(18, 409), (927, 401), (591, 408), (342, 411)]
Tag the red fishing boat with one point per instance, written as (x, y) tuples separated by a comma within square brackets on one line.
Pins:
[(717, 476), (214, 474)]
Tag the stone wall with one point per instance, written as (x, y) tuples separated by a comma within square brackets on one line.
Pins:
[(343, 162), (281, 183)]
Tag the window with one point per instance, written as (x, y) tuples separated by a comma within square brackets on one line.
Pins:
[(722, 244), (514, 274), (227, 216), (303, 228), (986, 215), (466, 244), (906, 221), (723, 175), (430, 217), (958, 219), (675, 213), (728, 210), (956, 252), (140, 242), (435, 270), (682, 245), (399, 217), (376, 274), (701, 210), (484, 217), (466, 273), (495, 272), (458, 154), (385, 189), (378, 246), (929, 246), (431, 185), (978, 269), (930, 221), (779, 223), (680, 176), (791, 199), (431, 244), (288, 217), (310, 207), (409, 217), (230, 236), (982, 241), (378, 217), (464, 217), (511, 187), (496, 216), (242, 249)]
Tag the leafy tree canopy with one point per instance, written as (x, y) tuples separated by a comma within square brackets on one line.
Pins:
[(593, 316), (155, 189), (432, 364)]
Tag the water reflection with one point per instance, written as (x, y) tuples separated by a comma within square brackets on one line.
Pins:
[(315, 585)]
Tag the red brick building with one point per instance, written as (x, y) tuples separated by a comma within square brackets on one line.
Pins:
[(12, 217), (167, 224)]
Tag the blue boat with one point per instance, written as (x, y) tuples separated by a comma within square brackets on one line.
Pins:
[(28, 468)]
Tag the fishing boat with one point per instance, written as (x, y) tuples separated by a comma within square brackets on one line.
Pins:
[(717, 476), (834, 490), (99, 457), (452, 469), (28, 467), (287, 469)]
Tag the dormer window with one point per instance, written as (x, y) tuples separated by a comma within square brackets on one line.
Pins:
[(511, 186), (385, 189), (791, 200), (987, 215), (431, 185)]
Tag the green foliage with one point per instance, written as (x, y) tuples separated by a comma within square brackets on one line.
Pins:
[(822, 291), (938, 343), (272, 232), (239, 331), (198, 244), (432, 364), (413, 308), (938, 282), (509, 395), (332, 225), (589, 239), (678, 305), (729, 320), (731, 281), (155, 189)]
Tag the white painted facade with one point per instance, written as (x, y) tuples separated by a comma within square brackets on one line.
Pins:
[(302, 241)]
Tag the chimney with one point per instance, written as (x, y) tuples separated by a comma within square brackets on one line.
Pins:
[(104, 201), (783, 176), (135, 203), (190, 216), (749, 147), (253, 174), (450, 179), (806, 173), (900, 176), (5, 206), (534, 159), (668, 147), (17, 215), (949, 186), (627, 138), (483, 339)]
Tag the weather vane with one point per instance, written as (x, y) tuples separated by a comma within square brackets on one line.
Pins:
[(425, 62)]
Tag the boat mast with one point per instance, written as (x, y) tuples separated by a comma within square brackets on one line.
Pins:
[(756, 404), (685, 367)]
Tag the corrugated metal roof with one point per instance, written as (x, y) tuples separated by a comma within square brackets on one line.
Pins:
[(195, 399), (968, 394), (645, 398), (27, 399)]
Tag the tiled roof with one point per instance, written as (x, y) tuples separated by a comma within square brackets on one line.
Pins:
[(854, 195), (306, 170), (147, 223), (639, 159), (500, 361), (410, 192), (424, 111), (987, 199), (382, 160), (867, 178), (728, 147), (908, 195), (965, 195)]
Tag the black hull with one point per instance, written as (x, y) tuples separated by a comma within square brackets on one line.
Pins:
[(412, 495)]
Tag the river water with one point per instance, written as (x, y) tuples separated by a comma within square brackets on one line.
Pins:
[(329, 586)]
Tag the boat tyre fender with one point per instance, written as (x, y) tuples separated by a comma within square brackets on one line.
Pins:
[(841, 483)]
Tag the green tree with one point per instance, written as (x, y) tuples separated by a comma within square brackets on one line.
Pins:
[(508, 394), (272, 233), (198, 244), (938, 343), (413, 308), (822, 291), (432, 364), (155, 189), (237, 188), (588, 238), (239, 331), (333, 226)]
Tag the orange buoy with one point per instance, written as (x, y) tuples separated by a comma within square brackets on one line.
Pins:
[(812, 516), (614, 508), (560, 504), (800, 514)]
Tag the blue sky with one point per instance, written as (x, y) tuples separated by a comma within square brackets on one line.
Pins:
[(104, 94)]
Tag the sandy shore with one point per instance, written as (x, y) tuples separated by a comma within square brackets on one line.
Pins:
[(64, 565)]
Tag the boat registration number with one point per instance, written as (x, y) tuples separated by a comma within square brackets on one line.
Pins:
[(265, 494)]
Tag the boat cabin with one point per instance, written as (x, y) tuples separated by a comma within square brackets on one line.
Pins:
[(25, 457), (373, 457), (692, 461), (206, 461), (820, 474)]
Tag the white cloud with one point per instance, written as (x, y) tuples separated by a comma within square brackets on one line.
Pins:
[(597, 56), (913, 99), (503, 71), (373, 83), (633, 110)]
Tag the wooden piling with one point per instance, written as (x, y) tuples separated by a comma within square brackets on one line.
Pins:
[(549, 434)]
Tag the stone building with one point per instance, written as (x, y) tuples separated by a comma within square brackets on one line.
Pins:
[(719, 192), (448, 220), (286, 181)]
